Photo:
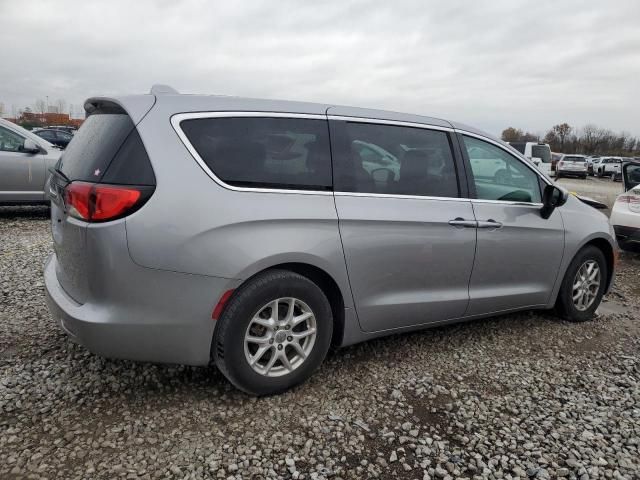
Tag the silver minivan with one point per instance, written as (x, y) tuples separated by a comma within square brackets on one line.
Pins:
[(257, 234)]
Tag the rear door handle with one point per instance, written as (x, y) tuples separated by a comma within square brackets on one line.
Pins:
[(489, 224), (461, 222)]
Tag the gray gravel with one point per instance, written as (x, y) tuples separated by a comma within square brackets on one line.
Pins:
[(519, 396)]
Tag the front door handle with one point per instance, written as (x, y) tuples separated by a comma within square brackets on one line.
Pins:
[(461, 222), (489, 224)]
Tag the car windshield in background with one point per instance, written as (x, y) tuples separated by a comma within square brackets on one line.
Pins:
[(542, 152)]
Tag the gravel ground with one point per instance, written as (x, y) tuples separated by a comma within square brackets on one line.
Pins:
[(518, 396)]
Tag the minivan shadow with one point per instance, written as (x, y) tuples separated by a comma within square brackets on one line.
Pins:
[(142, 381), (14, 212)]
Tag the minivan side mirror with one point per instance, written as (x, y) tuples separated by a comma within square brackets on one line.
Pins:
[(30, 146), (552, 197)]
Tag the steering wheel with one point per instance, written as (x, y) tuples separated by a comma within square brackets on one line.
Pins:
[(390, 173)]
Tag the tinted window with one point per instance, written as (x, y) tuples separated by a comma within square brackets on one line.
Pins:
[(102, 139), (570, 158), (542, 152), (291, 153), (46, 134), (500, 176), (519, 146), (376, 158), (9, 141)]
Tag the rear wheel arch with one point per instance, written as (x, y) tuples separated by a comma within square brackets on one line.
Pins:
[(325, 282)]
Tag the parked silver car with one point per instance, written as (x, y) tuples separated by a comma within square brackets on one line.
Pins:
[(25, 160), (249, 232)]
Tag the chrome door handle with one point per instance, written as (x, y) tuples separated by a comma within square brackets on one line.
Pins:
[(461, 222), (489, 224)]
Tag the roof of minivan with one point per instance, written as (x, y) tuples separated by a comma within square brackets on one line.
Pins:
[(138, 105)]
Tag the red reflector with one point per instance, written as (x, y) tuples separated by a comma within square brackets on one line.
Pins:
[(94, 202), (221, 304)]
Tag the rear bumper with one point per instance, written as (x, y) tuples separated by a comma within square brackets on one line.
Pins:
[(627, 235), (160, 317), (575, 173)]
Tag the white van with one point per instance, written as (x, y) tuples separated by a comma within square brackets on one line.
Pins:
[(539, 153)]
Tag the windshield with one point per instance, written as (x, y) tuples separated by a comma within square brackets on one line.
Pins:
[(543, 152)]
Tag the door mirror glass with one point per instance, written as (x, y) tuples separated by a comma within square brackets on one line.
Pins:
[(552, 198), (30, 146)]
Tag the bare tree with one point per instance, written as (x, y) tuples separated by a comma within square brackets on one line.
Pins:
[(1, 109), (562, 130), (593, 137), (40, 106), (61, 104), (511, 134)]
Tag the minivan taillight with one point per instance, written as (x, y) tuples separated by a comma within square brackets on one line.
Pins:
[(95, 202)]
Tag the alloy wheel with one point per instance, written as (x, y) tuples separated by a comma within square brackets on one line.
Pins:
[(280, 337)]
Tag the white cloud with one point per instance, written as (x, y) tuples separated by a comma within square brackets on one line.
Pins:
[(492, 64)]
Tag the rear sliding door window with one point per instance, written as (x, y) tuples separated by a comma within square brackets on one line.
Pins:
[(264, 152), (395, 160)]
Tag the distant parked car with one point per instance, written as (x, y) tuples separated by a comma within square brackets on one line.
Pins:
[(24, 162), (608, 166), (56, 137), (592, 161), (572, 166), (539, 153), (64, 128), (625, 215)]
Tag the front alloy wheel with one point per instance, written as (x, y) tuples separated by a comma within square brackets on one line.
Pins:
[(586, 285), (583, 285)]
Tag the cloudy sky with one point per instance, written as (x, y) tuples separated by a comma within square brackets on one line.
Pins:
[(492, 64)]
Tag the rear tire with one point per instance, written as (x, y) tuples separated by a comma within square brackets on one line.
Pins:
[(577, 280), (249, 331)]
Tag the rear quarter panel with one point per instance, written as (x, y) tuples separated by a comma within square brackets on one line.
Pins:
[(192, 224)]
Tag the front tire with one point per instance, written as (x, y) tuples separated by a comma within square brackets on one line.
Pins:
[(583, 285), (274, 333)]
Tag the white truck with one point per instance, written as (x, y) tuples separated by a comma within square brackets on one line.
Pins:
[(539, 153)]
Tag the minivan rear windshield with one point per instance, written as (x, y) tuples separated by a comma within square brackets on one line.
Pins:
[(543, 152), (108, 149)]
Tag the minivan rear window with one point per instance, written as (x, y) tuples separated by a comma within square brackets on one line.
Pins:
[(107, 148), (264, 152)]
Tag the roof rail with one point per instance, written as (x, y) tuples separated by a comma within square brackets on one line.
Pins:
[(160, 89)]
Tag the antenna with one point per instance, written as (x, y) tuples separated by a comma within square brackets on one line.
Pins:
[(160, 89)]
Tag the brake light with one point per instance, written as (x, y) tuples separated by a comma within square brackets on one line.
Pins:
[(95, 202), (628, 199)]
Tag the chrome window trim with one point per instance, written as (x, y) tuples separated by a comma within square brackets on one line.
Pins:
[(398, 123), (399, 196), (179, 117)]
